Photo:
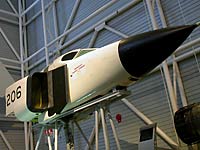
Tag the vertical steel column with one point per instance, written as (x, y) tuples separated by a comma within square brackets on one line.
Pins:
[(105, 131), (96, 129), (56, 136), (179, 80), (69, 134), (31, 136), (26, 135), (174, 77), (165, 66), (175, 65), (21, 38), (55, 21), (25, 37), (180, 86), (45, 34), (49, 142), (114, 131), (22, 65)]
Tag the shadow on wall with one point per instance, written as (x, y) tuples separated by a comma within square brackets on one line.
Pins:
[(130, 146), (2, 106)]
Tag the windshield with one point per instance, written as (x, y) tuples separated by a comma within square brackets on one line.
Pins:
[(84, 51), (69, 56), (76, 54)]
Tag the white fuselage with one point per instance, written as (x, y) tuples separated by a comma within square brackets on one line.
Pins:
[(95, 73), (91, 75)]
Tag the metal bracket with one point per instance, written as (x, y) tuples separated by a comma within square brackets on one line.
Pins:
[(100, 27)]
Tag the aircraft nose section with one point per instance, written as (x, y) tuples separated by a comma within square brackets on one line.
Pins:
[(141, 53)]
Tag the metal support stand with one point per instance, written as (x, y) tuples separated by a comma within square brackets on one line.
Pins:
[(69, 136), (49, 138), (100, 112), (114, 131), (100, 118), (39, 139), (97, 129), (56, 136), (49, 142), (105, 131), (100, 108), (82, 133)]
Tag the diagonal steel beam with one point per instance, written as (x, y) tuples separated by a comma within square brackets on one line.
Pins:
[(13, 8), (146, 120), (9, 21), (69, 22), (39, 139), (37, 14), (82, 133), (91, 16), (9, 44), (29, 8), (116, 31), (6, 141), (109, 17), (8, 13)]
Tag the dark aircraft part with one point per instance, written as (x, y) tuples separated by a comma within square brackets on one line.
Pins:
[(141, 53), (37, 92), (59, 89), (187, 123), (48, 91)]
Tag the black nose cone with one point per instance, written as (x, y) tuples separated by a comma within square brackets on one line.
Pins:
[(141, 53)]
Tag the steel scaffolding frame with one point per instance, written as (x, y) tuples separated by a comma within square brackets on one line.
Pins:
[(10, 62), (23, 58), (13, 14)]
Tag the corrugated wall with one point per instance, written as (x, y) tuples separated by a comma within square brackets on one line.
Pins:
[(12, 130), (148, 95), (11, 32)]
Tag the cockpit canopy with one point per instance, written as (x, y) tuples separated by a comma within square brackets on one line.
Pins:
[(75, 54), (62, 60)]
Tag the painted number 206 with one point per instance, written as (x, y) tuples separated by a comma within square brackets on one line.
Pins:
[(15, 94)]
